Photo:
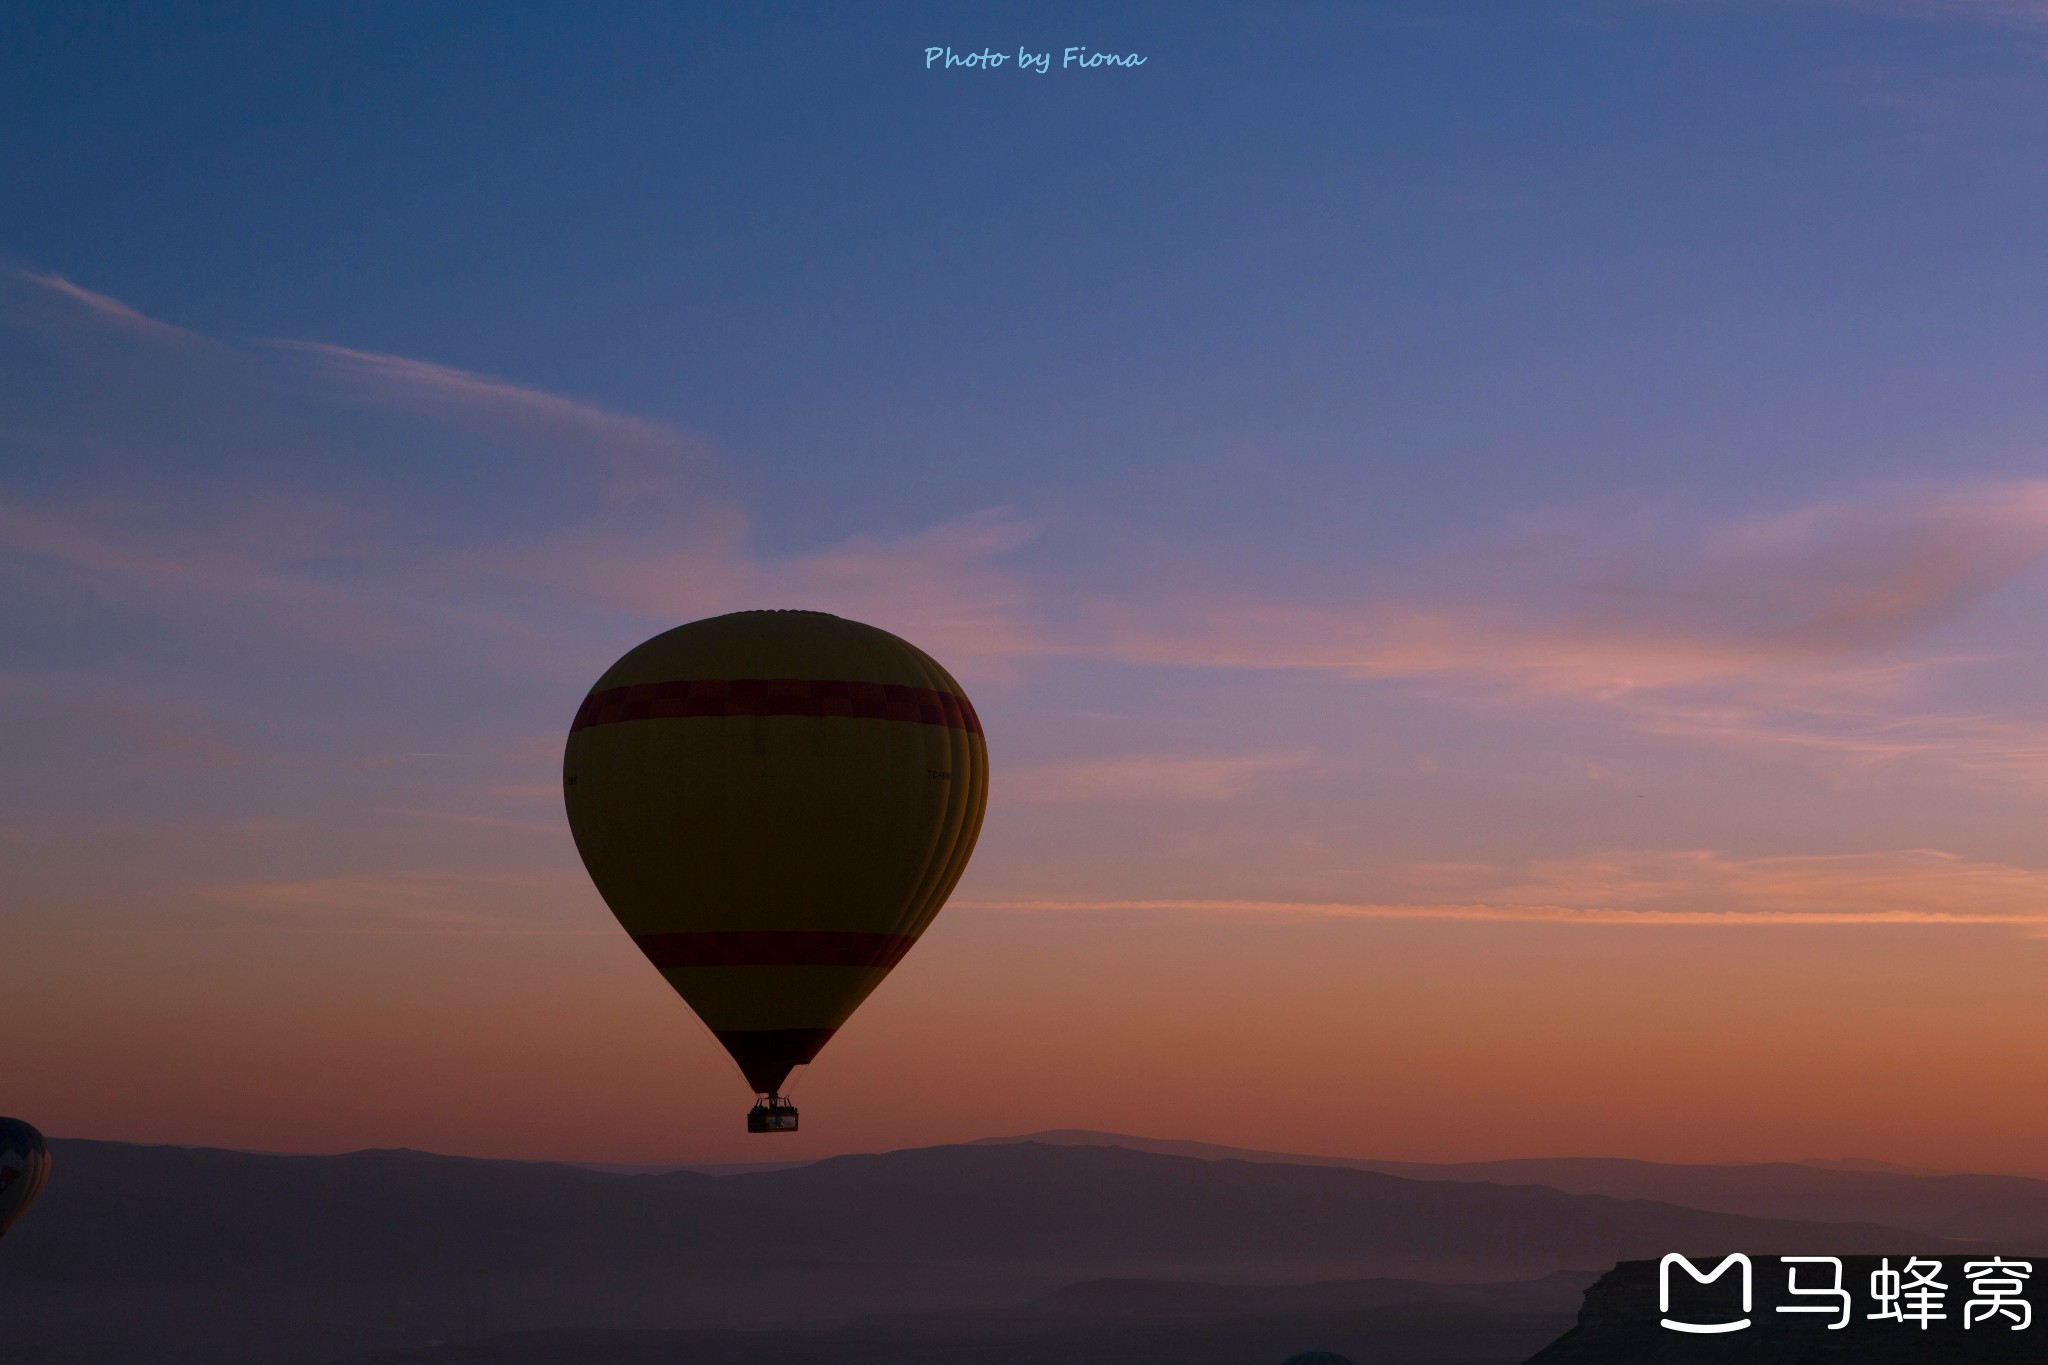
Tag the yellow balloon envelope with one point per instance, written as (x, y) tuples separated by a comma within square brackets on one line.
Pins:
[(775, 804)]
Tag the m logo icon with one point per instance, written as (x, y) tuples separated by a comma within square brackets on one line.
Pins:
[(1664, 1291)]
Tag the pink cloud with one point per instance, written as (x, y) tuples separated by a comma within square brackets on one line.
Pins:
[(1790, 632), (1820, 589), (1799, 632), (113, 548), (1147, 778)]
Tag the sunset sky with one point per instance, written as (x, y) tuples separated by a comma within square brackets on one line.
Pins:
[(1500, 550)]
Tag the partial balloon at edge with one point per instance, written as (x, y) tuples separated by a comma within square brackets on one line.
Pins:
[(24, 1170)]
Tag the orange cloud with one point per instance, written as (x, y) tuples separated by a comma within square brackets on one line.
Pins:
[(1928, 884), (471, 900), (1668, 888)]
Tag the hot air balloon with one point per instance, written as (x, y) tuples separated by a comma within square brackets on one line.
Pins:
[(24, 1168), (775, 804)]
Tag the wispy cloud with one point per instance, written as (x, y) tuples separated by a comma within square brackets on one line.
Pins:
[(657, 539), (109, 312), (1862, 739), (1800, 632), (651, 456), (147, 732), (1670, 888), (1497, 914), (1148, 778), (547, 829), (128, 552), (668, 548), (445, 899), (1813, 593), (2018, 14), (1937, 886), (1796, 631)]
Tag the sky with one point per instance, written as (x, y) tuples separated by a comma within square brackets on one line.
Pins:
[(1499, 549)]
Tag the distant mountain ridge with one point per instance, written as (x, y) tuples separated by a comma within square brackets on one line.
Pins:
[(1077, 1210), (138, 1252), (2010, 1206)]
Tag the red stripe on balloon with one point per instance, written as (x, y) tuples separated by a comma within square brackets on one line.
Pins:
[(776, 697), (774, 948)]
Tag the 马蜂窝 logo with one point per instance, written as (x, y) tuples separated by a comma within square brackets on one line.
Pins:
[(1913, 1295), (1664, 1291)]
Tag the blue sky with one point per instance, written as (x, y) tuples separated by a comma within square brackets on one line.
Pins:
[(1320, 271), (1423, 465)]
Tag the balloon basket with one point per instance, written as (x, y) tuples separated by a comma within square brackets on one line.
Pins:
[(772, 1115)]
